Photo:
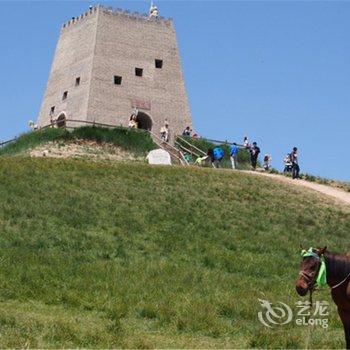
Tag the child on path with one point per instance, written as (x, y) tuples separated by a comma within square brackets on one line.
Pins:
[(267, 160)]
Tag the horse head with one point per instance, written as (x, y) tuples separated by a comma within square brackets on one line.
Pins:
[(310, 270)]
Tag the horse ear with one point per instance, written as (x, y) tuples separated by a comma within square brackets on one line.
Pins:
[(322, 250)]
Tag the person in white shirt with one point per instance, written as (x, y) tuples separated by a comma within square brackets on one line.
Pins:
[(246, 143), (165, 132)]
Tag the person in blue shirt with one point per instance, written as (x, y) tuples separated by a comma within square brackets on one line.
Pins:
[(233, 155)]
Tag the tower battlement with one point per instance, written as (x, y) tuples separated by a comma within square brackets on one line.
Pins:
[(136, 16)]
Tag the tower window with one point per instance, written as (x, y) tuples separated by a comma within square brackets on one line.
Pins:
[(52, 110), (159, 64), (117, 80), (77, 81), (65, 94), (138, 72)]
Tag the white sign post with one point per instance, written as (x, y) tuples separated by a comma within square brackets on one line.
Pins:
[(159, 156)]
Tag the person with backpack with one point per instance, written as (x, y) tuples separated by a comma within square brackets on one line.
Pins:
[(233, 155), (295, 163), (216, 154), (254, 153)]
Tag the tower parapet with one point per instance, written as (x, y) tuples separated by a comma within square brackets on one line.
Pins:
[(118, 12)]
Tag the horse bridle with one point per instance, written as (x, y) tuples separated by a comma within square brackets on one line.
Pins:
[(311, 278)]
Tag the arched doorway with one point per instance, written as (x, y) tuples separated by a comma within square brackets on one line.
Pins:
[(61, 121), (144, 121)]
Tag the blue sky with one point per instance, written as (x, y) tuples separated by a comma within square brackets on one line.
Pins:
[(277, 71)]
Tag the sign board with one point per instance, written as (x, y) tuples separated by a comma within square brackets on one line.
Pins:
[(159, 156), (139, 104)]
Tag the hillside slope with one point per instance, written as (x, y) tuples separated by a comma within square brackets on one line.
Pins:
[(130, 255)]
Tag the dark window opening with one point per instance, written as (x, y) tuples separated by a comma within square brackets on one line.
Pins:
[(65, 94), (77, 81), (52, 110), (117, 80), (138, 72), (159, 64)]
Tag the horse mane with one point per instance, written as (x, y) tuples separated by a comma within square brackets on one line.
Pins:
[(338, 265)]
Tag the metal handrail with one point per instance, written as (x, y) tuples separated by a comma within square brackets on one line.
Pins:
[(225, 142), (55, 122), (88, 122), (158, 138), (160, 142), (186, 149), (182, 161), (191, 145), (2, 144)]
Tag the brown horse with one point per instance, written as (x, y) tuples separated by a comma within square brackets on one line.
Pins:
[(338, 277)]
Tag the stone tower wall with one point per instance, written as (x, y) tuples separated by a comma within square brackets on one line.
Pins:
[(73, 58), (105, 43)]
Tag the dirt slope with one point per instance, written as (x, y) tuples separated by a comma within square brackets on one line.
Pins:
[(338, 194)]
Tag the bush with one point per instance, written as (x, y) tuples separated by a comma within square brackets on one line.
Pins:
[(33, 139), (136, 141)]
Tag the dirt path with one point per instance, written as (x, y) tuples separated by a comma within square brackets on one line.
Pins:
[(341, 195)]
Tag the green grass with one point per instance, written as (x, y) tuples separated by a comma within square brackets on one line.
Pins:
[(97, 255), (139, 143)]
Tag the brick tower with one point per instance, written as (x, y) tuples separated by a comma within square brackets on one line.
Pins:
[(109, 63)]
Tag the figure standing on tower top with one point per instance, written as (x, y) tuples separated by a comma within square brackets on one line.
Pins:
[(153, 11)]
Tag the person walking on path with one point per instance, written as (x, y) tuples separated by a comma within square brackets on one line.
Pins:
[(233, 155), (254, 153), (295, 164)]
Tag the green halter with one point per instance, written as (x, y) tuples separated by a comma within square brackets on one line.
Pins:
[(322, 273)]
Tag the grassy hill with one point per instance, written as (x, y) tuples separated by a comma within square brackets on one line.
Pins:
[(136, 142), (130, 255)]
